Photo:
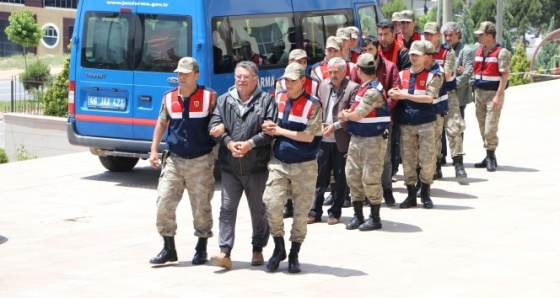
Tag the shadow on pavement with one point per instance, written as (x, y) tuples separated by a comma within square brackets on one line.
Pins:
[(516, 169), (450, 207), (318, 269), (139, 177), (442, 193), (388, 226), (3, 239)]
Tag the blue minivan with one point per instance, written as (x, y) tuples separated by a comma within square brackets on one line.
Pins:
[(124, 53)]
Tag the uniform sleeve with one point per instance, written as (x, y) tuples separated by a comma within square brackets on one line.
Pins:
[(504, 60), (373, 99), (163, 116), (434, 85), (450, 60), (315, 123)]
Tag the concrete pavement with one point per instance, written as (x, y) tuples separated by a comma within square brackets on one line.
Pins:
[(68, 228)]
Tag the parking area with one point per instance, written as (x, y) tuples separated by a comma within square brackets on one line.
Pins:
[(69, 228)]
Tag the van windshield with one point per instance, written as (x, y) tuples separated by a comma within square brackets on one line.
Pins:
[(135, 41)]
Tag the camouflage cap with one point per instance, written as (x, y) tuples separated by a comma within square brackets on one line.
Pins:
[(407, 15), (334, 42), (396, 16), (293, 71), (297, 54), (418, 48), (430, 49), (187, 65), (354, 32), (431, 27), (343, 33), (486, 27), (366, 60)]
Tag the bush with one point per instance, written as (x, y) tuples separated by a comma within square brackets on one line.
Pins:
[(3, 156), (23, 154), (519, 66), (36, 75), (56, 98)]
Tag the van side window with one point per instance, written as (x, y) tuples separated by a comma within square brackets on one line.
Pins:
[(106, 41), (367, 20), (316, 29), (263, 39), (164, 40)]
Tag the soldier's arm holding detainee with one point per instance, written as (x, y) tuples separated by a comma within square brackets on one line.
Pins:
[(261, 139), (314, 127), (373, 99), (432, 91), (504, 59), (159, 131)]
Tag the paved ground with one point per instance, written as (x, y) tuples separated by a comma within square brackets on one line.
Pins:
[(68, 228)]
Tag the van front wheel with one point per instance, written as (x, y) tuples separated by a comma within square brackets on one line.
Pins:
[(117, 163)]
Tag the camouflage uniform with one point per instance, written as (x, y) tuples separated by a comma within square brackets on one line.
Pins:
[(178, 173), (488, 118), (295, 178), (418, 144), (364, 164)]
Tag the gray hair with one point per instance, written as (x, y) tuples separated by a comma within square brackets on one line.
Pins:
[(451, 26), (248, 65), (337, 61)]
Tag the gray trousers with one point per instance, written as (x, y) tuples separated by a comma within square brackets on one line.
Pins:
[(233, 187)]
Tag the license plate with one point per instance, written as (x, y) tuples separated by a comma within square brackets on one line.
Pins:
[(107, 103)]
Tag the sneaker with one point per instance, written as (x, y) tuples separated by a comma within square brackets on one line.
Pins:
[(222, 260)]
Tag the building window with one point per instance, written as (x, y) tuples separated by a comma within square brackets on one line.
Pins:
[(61, 3), (50, 36), (13, 1)]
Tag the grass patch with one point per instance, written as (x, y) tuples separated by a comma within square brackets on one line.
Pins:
[(21, 106), (17, 61)]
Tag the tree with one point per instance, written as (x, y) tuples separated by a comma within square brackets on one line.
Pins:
[(467, 27), (392, 7), (56, 98), (519, 66), (23, 30), (523, 15), (483, 10), (548, 50)]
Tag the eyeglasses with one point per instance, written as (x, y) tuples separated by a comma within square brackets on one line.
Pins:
[(244, 77)]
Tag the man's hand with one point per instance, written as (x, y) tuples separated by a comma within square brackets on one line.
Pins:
[(328, 130), (154, 159), (218, 130), (342, 115), (269, 128), (234, 148), (395, 93), (496, 102), (460, 70), (243, 147)]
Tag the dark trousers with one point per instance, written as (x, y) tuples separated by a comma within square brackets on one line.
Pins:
[(395, 147), (462, 110), (233, 187), (330, 159)]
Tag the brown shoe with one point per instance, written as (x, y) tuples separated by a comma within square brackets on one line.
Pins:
[(221, 260), (311, 219), (332, 220), (257, 259)]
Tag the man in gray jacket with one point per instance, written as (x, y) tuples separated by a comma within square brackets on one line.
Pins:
[(244, 154)]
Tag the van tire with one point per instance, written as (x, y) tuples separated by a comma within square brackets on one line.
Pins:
[(117, 163)]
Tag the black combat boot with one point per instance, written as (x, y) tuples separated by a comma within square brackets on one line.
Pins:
[(425, 196), (459, 167), (293, 261), (201, 256), (410, 200), (491, 163), (388, 197), (438, 174), (374, 221), (278, 255), (288, 209), (358, 216), (168, 253)]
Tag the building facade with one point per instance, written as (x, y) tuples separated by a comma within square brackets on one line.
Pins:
[(55, 17)]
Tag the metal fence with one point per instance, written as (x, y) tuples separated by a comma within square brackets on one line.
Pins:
[(16, 99)]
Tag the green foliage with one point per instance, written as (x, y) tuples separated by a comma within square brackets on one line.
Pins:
[(36, 75), (56, 98), (23, 30), (467, 27), (483, 10), (392, 7), (519, 66), (3, 156), (525, 14), (23, 154)]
